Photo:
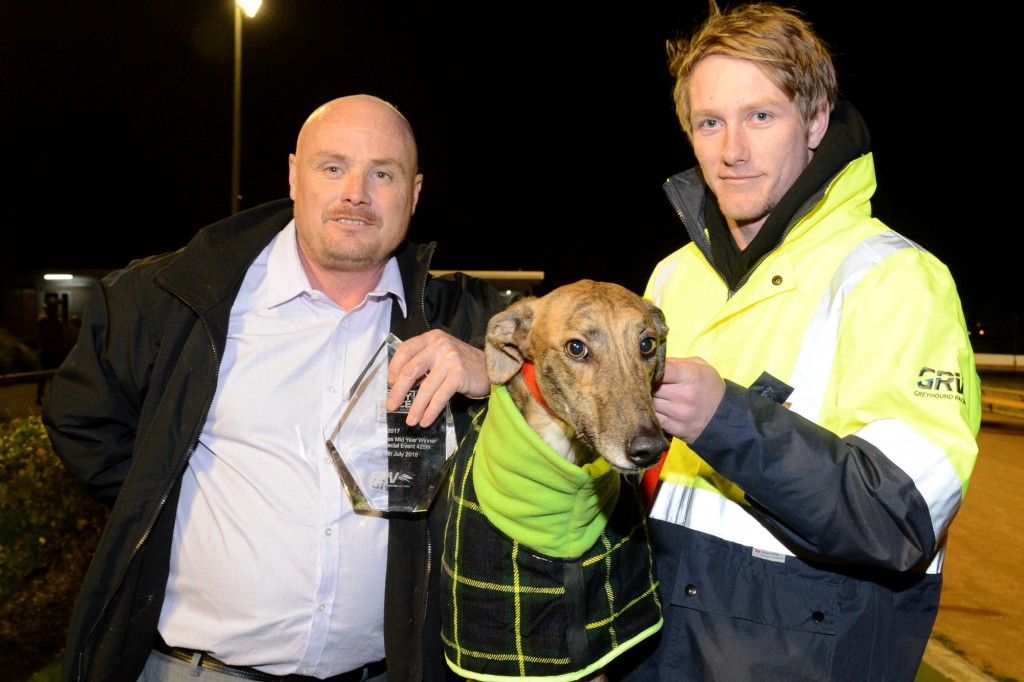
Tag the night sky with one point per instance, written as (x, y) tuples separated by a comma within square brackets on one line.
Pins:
[(545, 130)]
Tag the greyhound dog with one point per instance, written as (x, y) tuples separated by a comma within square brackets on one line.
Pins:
[(579, 364), (547, 569)]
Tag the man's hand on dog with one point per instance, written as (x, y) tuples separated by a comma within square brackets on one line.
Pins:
[(687, 397), (442, 366)]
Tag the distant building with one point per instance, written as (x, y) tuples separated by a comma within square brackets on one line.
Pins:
[(23, 293), (23, 297)]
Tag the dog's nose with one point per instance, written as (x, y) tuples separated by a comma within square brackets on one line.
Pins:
[(644, 450)]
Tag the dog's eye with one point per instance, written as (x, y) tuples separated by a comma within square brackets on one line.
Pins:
[(576, 349), (648, 346)]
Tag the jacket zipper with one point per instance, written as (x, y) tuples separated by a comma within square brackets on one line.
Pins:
[(163, 500), (426, 521)]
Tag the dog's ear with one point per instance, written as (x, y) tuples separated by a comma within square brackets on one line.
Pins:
[(661, 327), (507, 343)]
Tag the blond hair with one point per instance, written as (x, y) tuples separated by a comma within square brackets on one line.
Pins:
[(777, 39)]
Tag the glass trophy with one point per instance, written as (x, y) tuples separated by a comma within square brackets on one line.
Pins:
[(384, 464)]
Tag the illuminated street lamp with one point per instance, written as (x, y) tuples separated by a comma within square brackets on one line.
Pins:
[(250, 7)]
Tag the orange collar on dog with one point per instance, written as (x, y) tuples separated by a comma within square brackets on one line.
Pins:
[(530, 377)]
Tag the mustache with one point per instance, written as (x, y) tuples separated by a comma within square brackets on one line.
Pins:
[(354, 214)]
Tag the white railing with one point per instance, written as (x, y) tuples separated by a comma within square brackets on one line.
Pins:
[(999, 361), (1008, 401)]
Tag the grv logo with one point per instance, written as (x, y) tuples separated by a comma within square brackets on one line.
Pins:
[(937, 383), (381, 480)]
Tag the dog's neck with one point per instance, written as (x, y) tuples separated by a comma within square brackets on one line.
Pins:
[(529, 372), (554, 431)]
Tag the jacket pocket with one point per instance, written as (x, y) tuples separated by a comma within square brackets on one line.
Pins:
[(724, 579)]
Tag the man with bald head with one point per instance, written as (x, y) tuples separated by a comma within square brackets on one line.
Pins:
[(196, 404)]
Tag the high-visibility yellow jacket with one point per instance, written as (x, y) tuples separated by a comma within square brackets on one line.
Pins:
[(805, 528)]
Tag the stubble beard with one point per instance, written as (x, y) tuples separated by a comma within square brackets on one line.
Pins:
[(741, 216), (351, 256), (355, 254)]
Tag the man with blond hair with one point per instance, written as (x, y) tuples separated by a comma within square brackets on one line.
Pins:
[(821, 391)]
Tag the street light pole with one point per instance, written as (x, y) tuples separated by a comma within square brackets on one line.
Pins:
[(250, 7)]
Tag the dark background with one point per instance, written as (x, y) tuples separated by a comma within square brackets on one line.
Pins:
[(545, 130)]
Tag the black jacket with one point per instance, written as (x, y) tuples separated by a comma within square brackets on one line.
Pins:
[(128, 405)]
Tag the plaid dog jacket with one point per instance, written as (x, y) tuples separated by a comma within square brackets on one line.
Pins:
[(547, 570)]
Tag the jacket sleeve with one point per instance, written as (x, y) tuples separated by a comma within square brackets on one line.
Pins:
[(91, 413), (880, 479), (465, 307)]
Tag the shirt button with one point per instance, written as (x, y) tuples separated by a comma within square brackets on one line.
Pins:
[(321, 608), (817, 616), (691, 590), (328, 531), (332, 389)]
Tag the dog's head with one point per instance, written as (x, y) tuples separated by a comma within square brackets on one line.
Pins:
[(596, 347)]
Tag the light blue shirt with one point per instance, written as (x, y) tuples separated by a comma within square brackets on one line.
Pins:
[(270, 565)]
